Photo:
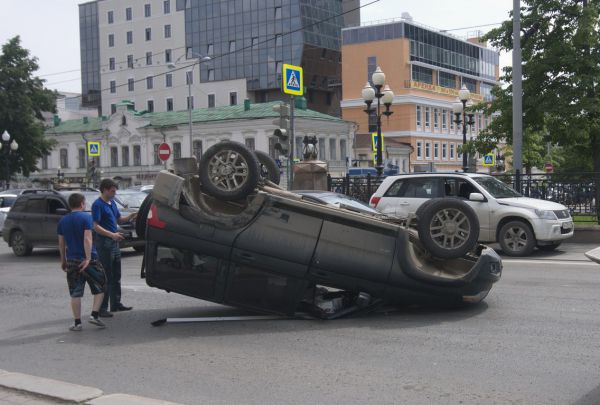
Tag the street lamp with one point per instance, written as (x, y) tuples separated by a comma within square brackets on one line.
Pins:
[(387, 96), (13, 147), (459, 107), (189, 76), (60, 175)]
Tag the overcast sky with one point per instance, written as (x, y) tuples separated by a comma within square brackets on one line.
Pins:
[(49, 29)]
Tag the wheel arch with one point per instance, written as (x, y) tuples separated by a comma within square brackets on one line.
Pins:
[(509, 218)]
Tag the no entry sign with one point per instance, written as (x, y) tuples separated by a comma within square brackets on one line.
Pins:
[(164, 151)]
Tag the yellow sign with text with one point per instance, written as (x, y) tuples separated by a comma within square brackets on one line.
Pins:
[(442, 90)]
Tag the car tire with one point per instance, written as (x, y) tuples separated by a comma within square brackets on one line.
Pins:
[(549, 248), (19, 244), (142, 216), (448, 228), (268, 167), (516, 239), (228, 171)]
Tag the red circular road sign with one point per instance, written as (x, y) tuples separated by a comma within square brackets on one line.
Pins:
[(164, 151), (549, 167)]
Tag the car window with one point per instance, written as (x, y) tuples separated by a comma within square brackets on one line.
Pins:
[(36, 205), (394, 189), (465, 188), (419, 187), (7, 201), (19, 205), (54, 204), (496, 188)]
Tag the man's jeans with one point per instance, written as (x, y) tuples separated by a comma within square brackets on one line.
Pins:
[(110, 257)]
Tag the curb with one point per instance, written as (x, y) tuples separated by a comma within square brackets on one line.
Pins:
[(585, 234), (67, 392)]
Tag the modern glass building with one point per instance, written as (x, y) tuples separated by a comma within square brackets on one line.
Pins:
[(89, 40)]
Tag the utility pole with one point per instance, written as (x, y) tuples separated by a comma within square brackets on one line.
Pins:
[(517, 109)]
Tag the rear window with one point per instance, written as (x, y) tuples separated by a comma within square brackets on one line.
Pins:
[(420, 187), (7, 201)]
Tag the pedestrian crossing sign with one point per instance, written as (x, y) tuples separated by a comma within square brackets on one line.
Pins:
[(489, 159), (293, 82), (93, 148), (375, 143)]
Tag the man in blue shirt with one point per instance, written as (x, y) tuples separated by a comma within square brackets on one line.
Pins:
[(106, 216), (79, 260)]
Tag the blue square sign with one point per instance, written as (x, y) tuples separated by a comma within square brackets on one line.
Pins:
[(293, 82)]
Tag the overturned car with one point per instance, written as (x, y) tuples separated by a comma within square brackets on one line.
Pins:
[(225, 232)]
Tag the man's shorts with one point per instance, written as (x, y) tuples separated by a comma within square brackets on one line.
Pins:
[(94, 275)]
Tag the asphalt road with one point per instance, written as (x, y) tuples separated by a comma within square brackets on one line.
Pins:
[(535, 340)]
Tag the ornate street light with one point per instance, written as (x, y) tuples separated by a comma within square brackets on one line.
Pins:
[(10, 147), (459, 107), (387, 97)]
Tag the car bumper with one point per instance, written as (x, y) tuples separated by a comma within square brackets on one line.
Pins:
[(546, 230)]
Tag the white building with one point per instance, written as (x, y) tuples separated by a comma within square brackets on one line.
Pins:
[(129, 140)]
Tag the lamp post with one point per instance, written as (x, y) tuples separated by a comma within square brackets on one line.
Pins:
[(9, 146), (459, 108), (60, 175), (387, 96), (189, 76)]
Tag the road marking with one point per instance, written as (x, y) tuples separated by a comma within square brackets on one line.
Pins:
[(546, 262)]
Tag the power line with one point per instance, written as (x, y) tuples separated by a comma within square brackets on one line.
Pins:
[(474, 26), (197, 62)]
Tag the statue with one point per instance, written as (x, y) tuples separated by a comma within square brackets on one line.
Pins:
[(310, 152)]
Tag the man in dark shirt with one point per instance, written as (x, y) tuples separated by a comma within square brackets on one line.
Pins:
[(106, 216), (79, 260)]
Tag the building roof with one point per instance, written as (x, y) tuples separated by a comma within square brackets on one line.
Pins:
[(171, 118)]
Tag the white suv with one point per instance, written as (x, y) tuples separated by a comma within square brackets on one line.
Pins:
[(518, 223)]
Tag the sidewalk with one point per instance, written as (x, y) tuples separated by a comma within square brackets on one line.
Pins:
[(21, 389)]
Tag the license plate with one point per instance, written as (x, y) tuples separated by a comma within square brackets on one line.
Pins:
[(567, 225)]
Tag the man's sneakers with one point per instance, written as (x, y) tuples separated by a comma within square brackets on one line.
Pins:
[(76, 327), (121, 307), (97, 322), (105, 314)]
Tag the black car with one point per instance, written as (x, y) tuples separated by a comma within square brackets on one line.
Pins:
[(33, 219), (230, 236)]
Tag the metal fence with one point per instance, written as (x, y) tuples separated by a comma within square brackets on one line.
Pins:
[(577, 191)]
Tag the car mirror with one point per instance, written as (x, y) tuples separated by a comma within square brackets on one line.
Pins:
[(476, 197), (61, 211)]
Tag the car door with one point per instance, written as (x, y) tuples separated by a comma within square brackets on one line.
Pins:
[(50, 220), (462, 188), (31, 219), (406, 195)]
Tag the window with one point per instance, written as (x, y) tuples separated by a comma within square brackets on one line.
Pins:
[(445, 151), (343, 155), (190, 102), (436, 119), (125, 155), (452, 148), (332, 149), (427, 118), (436, 150), (231, 46), (424, 187), (321, 144), (419, 150), (150, 82), (148, 34), (232, 98), (168, 80), (113, 108), (130, 84), (277, 13), (111, 17), (447, 80), (418, 116), (156, 158), (129, 37), (211, 74), (148, 58), (64, 158), (147, 10), (111, 63), (209, 49), (130, 61), (113, 86), (372, 121), (128, 14), (168, 57), (250, 143), (111, 40), (176, 150), (137, 155), (421, 74), (211, 101), (427, 150), (167, 6), (444, 120), (168, 31), (451, 121), (189, 77), (114, 156), (169, 104), (150, 106), (81, 158), (197, 146)]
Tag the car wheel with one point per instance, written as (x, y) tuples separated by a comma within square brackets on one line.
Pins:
[(448, 228), (19, 244), (516, 239), (549, 248), (142, 216), (268, 168), (228, 171)]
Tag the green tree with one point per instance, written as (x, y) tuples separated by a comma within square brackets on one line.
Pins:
[(560, 49), (23, 98)]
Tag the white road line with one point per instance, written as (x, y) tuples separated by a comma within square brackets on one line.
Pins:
[(547, 262)]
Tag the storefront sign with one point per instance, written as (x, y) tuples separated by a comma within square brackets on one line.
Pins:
[(442, 90)]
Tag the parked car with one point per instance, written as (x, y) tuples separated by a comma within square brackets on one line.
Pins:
[(227, 236), (517, 223), (32, 222), (146, 189), (131, 198), (6, 202), (362, 171)]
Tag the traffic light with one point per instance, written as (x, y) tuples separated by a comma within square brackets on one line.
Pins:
[(282, 132)]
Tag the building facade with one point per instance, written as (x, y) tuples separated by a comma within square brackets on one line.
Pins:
[(155, 52), (129, 140), (425, 69)]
